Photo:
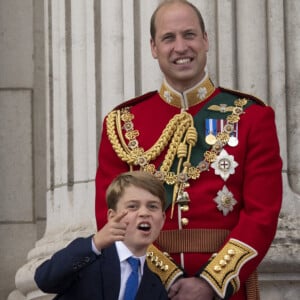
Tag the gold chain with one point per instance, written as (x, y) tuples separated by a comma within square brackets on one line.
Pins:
[(180, 134)]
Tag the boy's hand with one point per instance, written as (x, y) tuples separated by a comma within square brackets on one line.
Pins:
[(113, 230)]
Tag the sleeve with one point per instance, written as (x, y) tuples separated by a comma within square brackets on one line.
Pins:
[(58, 273), (251, 238), (109, 166), (163, 266)]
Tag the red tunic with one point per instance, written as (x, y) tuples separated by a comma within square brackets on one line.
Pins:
[(256, 183)]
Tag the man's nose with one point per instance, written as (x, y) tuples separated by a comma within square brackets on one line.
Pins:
[(180, 44)]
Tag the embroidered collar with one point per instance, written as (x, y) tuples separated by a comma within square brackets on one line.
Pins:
[(188, 98)]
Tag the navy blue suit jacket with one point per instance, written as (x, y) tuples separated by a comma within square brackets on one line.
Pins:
[(76, 272)]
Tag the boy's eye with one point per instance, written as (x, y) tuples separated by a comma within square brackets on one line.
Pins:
[(154, 206), (132, 206)]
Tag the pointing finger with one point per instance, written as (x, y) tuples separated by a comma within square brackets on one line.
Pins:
[(119, 216)]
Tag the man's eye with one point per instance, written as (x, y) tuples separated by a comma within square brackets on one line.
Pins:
[(167, 38), (189, 35)]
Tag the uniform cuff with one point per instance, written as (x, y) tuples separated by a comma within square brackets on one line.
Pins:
[(162, 265), (222, 271)]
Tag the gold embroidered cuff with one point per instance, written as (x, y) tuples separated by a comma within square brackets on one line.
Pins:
[(162, 265), (224, 268)]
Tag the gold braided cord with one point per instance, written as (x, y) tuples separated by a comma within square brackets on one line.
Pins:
[(131, 156), (179, 135), (119, 130), (173, 128), (176, 140), (113, 138)]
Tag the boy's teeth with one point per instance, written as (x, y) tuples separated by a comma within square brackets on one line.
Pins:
[(144, 226)]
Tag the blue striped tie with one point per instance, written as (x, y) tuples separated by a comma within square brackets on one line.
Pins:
[(133, 279)]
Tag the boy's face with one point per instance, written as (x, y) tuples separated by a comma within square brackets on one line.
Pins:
[(144, 220)]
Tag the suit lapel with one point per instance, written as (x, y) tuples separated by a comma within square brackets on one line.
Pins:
[(110, 273), (148, 289)]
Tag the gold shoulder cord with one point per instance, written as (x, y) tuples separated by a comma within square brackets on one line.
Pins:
[(181, 136)]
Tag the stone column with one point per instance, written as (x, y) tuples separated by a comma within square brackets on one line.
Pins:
[(71, 134), (280, 270), (97, 55)]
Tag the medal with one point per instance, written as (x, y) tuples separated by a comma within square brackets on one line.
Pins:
[(224, 165), (225, 201), (210, 131), (233, 141), (210, 139)]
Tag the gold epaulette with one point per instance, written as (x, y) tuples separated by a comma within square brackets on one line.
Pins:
[(162, 265), (244, 95), (136, 100), (225, 266)]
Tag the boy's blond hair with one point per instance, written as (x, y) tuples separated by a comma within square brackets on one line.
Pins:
[(139, 179)]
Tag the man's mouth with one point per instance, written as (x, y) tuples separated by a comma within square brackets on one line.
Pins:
[(144, 226), (182, 61)]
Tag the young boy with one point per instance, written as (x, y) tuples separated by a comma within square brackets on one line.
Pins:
[(97, 267)]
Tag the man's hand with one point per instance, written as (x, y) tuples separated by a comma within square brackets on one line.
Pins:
[(191, 289), (113, 230)]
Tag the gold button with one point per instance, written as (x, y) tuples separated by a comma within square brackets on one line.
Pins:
[(154, 259), (231, 252), (165, 268), (222, 263), (217, 269), (159, 263), (184, 207), (150, 254), (227, 257), (184, 221)]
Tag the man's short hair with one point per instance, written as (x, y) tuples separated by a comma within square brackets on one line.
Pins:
[(168, 2)]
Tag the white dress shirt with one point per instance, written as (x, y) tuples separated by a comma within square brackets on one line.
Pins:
[(124, 253)]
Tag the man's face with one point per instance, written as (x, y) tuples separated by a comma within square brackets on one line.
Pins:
[(180, 45), (144, 219)]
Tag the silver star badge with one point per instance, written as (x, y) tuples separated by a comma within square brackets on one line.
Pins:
[(224, 165), (225, 201), (202, 91), (168, 96)]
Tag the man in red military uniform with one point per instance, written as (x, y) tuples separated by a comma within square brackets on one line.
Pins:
[(217, 152)]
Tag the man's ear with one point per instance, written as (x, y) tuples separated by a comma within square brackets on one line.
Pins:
[(205, 37), (153, 48)]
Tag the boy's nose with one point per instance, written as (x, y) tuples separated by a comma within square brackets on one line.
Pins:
[(143, 211)]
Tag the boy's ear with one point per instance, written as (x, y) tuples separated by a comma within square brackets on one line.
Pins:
[(163, 222), (110, 213)]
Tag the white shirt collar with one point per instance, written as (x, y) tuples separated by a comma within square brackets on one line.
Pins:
[(125, 253)]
